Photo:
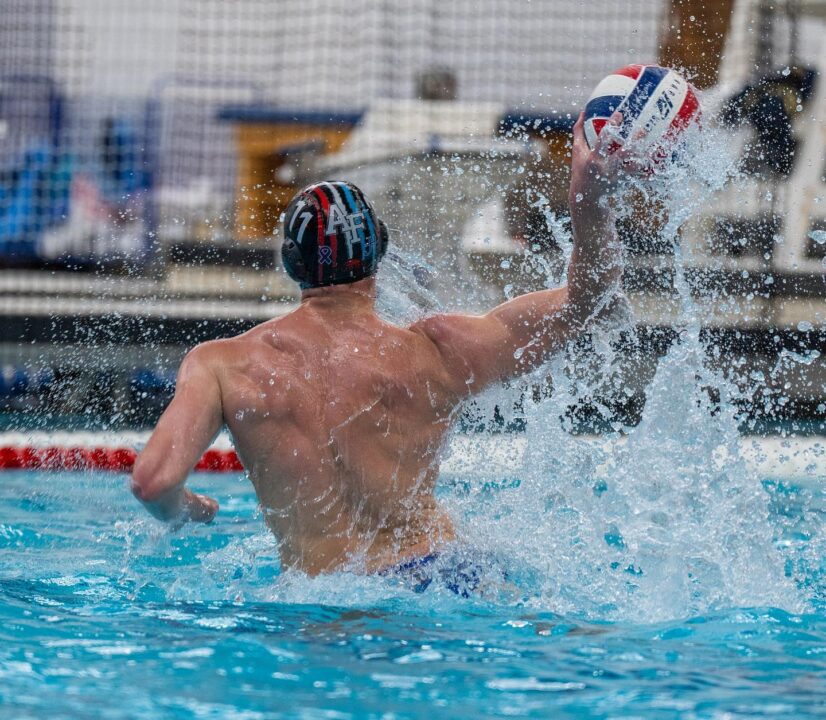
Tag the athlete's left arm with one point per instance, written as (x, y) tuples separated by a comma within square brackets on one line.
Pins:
[(184, 431)]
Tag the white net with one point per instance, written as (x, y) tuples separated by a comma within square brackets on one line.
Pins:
[(112, 135)]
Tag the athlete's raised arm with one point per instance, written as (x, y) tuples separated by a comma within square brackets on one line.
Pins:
[(518, 335), (184, 431)]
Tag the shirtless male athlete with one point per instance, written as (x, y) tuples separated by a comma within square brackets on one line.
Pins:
[(338, 416)]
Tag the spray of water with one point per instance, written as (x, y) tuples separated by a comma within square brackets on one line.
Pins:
[(663, 520)]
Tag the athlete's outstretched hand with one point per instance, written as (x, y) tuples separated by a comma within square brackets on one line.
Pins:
[(595, 173)]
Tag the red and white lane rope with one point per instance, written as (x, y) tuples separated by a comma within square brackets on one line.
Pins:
[(115, 452)]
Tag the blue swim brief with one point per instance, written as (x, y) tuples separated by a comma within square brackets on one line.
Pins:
[(461, 573)]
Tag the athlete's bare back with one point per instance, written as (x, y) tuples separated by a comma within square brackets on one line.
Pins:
[(339, 417)]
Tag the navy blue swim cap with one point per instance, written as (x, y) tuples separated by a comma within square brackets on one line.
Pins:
[(332, 236)]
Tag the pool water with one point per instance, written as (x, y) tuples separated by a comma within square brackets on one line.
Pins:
[(106, 614)]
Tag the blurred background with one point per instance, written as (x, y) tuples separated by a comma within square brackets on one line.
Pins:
[(147, 150)]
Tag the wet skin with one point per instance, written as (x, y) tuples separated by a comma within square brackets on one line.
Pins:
[(340, 417)]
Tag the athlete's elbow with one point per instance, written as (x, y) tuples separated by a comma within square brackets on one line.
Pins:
[(141, 488), (144, 485)]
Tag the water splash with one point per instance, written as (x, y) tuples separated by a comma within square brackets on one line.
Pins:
[(663, 520)]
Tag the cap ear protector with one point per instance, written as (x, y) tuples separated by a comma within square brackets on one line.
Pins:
[(332, 236), (384, 237), (292, 261)]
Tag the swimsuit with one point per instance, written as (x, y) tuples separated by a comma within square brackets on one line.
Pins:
[(461, 573)]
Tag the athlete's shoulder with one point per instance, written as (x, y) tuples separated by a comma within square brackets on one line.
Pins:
[(219, 354), (449, 335), (445, 328), (429, 327), (201, 357)]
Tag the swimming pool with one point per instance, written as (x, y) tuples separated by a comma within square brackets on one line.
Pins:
[(105, 614)]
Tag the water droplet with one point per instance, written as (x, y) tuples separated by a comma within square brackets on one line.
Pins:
[(819, 236), (505, 264), (805, 326), (785, 72)]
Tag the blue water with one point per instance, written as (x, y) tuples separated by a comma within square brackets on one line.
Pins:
[(105, 614)]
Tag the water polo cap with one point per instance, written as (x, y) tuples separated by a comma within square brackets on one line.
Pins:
[(332, 236)]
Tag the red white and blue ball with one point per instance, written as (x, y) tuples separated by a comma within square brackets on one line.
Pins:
[(657, 105)]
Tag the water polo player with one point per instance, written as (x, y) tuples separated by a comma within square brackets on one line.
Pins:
[(338, 416)]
